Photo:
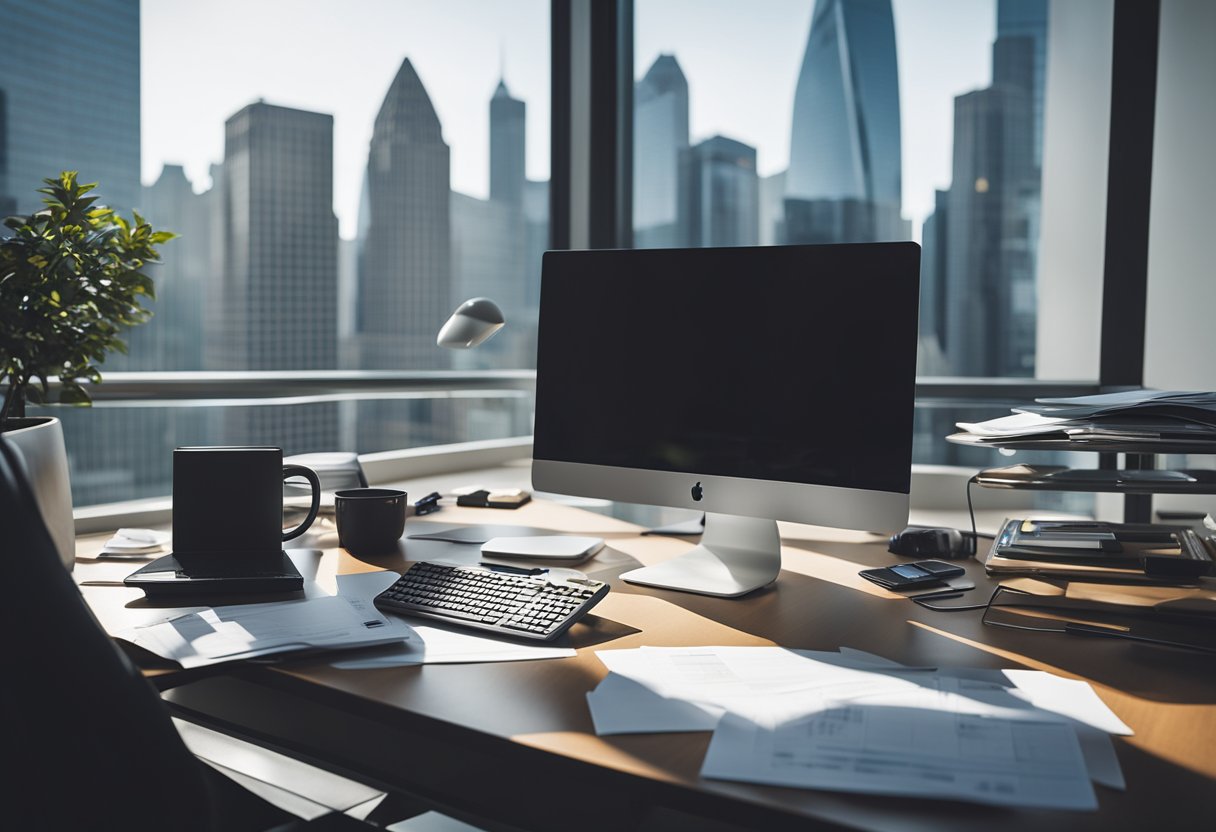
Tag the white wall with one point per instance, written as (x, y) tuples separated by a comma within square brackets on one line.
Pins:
[(1076, 146), (1180, 338)]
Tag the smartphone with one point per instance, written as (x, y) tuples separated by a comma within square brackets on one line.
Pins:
[(917, 573)]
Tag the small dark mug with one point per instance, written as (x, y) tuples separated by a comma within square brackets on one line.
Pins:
[(370, 520), (228, 500)]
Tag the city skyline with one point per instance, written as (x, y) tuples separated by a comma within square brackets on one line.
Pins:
[(943, 52), (423, 241)]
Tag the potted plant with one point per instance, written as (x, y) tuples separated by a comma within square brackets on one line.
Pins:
[(71, 281)]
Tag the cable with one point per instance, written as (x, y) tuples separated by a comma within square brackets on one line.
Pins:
[(924, 598), (975, 536), (936, 608)]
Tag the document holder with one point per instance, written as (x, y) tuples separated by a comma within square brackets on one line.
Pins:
[(1187, 620), (1128, 552)]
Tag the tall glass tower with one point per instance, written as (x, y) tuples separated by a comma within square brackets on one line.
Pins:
[(1028, 19), (720, 205), (8, 204), (660, 135), (507, 146), (843, 183), (280, 243), (173, 339), (58, 112), (405, 271), (990, 307)]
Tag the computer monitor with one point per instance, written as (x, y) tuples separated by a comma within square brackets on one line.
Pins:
[(755, 383)]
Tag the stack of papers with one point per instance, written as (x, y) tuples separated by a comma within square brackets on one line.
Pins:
[(244, 631), (1148, 416), (852, 721)]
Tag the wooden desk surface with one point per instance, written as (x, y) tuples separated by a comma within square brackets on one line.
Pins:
[(519, 734)]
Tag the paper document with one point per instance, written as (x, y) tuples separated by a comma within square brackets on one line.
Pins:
[(437, 645), (245, 631), (910, 751), (892, 729), (1141, 416), (688, 689)]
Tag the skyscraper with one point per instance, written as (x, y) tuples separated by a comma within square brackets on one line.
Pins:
[(488, 249), (173, 338), (536, 221), (536, 231), (720, 200), (934, 246), (660, 135), (276, 293), (507, 146), (1028, 18), (992, 221), (405, 275), (8, 204), (70, 100), (62, 114), (772, 209), (843, 183), (279, 280)]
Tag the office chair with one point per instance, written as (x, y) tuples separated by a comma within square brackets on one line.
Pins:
[(87, 742)]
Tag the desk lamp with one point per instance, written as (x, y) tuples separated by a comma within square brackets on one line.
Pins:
[(473, 323)]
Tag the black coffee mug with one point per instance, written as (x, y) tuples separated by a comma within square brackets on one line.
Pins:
[(370, 520), (228, 500)]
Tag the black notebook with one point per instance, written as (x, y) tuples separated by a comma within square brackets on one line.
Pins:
[(193, 575)]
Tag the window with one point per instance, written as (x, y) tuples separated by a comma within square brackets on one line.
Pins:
[(868, 120), (337, 191)]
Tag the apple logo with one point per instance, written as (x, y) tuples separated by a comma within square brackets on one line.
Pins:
[(698, 492)]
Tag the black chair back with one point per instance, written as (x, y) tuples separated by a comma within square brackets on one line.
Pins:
[(87, 742)]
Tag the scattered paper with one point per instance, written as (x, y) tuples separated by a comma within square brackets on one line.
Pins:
[(909, 751), (438, 645), (688, 689), (878, 725), (245, 631)]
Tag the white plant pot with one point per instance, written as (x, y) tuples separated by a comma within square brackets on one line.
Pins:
[(39, 441)]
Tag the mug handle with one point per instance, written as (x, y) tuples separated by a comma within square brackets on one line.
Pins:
[(315, 482)]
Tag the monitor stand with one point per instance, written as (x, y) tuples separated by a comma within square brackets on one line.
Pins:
[(736, 556)]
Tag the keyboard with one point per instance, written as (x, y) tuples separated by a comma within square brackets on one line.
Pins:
[(505, 603)]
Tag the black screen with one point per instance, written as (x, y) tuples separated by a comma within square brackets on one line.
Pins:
[(786, 363)]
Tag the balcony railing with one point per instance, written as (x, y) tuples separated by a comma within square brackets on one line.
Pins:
[(237, 388)]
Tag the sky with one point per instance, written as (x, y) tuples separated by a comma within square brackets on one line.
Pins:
[(204, 61)]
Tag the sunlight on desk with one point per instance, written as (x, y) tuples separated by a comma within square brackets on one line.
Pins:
[(837, 570), (1194, 754)]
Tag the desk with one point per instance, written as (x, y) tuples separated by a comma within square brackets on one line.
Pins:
[(515, 739)]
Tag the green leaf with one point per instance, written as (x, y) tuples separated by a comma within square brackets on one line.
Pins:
[(70, 282), (72, 393)]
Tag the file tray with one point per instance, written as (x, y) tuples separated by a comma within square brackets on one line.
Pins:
[(1170, 616), (1098, 550)]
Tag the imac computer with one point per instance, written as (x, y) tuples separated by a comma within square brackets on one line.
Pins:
[(756, 384)]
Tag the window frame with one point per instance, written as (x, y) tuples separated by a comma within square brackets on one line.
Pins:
[(592, 61)]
